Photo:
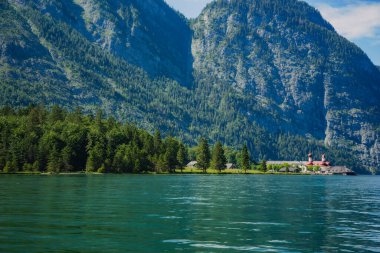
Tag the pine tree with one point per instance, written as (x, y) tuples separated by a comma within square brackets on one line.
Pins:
[(55, 163), (157, 142), (264, 165), (119, 164), (95, 159), (17, 155), (56, 114), (203, 154), (99, 118), (218, 160), (170, 155), (182, 156), (162, 163), (67, 155), (245, 159), (77, 115), (137, 166)]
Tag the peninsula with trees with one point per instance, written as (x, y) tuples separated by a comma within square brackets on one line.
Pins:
[(41, 140)]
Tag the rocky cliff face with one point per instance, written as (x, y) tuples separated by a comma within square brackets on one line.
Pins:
[(146, 33), (285, 54), (243, 71)]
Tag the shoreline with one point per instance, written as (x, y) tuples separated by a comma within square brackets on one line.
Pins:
[(229, 172)]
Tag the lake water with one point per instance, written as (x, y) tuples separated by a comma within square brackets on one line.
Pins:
[(194, 213)]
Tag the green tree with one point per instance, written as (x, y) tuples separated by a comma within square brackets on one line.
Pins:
[(119, 164), (115, 138), (182, 156), (162, 164), (67, 157), (218, 160), (102, 169), (157, 142), (203, 155), (95, 158), (245, 158), (192, 153), (264, 165), (170, 155), (137, 166), (231, 155), (99, 119), (55, 163), (56, 114), (36, 166), (9, 167), (74, 154)]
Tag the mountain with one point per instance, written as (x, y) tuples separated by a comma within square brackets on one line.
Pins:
[(283, 55), (270, 73), (48, 56)]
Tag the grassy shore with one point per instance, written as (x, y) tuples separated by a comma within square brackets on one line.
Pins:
[(212, 171)]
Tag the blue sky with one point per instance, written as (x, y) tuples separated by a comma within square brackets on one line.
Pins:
[(357, 20)]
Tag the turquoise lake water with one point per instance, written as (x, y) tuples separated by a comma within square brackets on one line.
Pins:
[(193, 213)]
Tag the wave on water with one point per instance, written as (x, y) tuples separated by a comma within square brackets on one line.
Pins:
[(279, 241), (261, 223), (188, 198), (218, 245)]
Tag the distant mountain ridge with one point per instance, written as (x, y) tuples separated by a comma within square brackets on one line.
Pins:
[(254, 71)]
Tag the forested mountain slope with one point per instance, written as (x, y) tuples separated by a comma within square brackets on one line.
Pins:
[(46, 60), (273, 74)]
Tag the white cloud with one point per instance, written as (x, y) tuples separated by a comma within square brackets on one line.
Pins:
[(354, 21)]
